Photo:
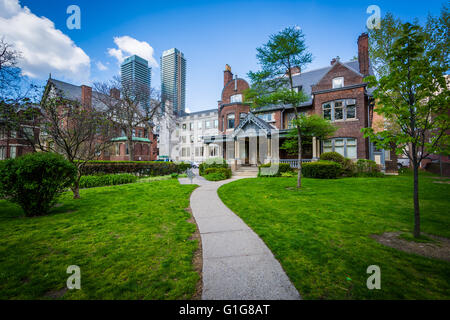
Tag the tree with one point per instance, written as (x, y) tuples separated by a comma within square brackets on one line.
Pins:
[(414, 96), (129, 104), (310, 126), (80, 133), (283, 52)]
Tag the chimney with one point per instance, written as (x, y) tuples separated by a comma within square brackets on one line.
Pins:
[(363, 53), (227, 75), (114, 93), (294, 70), (333, 61), (86, 96)]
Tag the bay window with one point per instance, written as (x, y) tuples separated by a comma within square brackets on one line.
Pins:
[(344, 146)]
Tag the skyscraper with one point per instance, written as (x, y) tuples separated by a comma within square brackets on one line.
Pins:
[(173, 79), (135, 70)]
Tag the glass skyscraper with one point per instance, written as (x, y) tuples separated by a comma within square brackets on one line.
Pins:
[(135, 70), (173, 79)]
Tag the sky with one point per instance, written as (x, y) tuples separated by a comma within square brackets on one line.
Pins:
[(210, 34)]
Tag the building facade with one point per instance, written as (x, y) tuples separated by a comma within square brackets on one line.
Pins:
[(145, 141), (135, 71), (173, 80)]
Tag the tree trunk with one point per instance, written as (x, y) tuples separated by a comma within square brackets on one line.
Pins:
[(299, 174), (76, 187), (416, 201)]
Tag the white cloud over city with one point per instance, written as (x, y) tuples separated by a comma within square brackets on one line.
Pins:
[(128, 46), (43, 48)]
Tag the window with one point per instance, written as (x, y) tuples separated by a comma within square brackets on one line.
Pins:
[(344, 146), (339, 110), (191, 126), (338, 82), (268, 117), (191, 139), (184, 126), (28, 132), (387, 155), (327, 111), (183, 139), (2, 133), (199, 125), (117, 149), (208, 124), (230, 121), (199, 151), (13, 134), (236, 98), (242, 115), (13, 152), (216, 123), (127, 150), (2, 153)]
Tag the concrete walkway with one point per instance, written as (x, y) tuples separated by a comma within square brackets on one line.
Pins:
[(237, 265)]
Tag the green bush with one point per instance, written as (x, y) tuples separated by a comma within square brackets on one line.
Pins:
[(277, 171), (34, 181), (174, 175), (321, 169), (183, 166), (216, 176), (368, 168), (106, 180), (332, 156), (348, 166), (142, 168), (225, 171), (212, 163)]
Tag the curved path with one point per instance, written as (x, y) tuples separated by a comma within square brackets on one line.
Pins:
[(237, 265)]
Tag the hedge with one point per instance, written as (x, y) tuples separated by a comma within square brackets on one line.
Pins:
[(142, 168), (321, 169), (225, 171), (212, 163), (275, 172), (106, 180), (215, 176)]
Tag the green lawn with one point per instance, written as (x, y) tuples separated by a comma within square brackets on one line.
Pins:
[(130, 242), (321, 234)]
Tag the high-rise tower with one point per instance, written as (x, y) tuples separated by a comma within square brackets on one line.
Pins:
[(173, 79), (135, 70)]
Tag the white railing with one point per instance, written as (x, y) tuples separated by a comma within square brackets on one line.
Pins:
[(294, 162)]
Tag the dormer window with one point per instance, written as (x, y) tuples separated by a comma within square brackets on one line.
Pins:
[(236, 98), (338, 82)]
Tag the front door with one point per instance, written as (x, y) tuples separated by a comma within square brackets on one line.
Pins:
[(247, 151)]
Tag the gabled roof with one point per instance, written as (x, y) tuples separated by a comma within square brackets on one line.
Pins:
[(251, 118)]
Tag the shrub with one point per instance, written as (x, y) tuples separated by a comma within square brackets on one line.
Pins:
[(274, 172), (142, 168), (106, 180), (216, 176), (288, 174), (332, 156), (368, 168), (225, 171), (183, 166), (34, 181), (174, 175), (212, 163), (321, 169)]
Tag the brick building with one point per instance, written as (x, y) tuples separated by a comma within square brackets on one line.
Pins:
[(337, 92), (145, 141)]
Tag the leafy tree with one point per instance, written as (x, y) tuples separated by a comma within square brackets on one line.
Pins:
[(414, 97), (273, 84), (310, 126)]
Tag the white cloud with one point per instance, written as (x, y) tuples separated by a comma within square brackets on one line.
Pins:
[(101, 66), (44, 49), (127, 46)]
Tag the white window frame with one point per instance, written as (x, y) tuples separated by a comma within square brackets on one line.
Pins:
[(345, 103), (229, 116), (236, 98), (345, 140), (336, 84)]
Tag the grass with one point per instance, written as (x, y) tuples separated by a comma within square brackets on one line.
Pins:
[(321, 234), (130, 241)]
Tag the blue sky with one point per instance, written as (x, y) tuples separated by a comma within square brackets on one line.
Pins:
[(211, 33)]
